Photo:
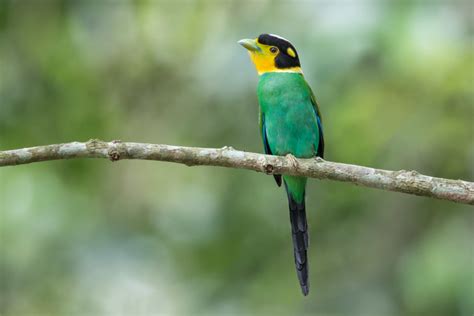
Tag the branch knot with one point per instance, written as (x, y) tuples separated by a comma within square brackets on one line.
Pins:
[(268, 168), (113, 154)]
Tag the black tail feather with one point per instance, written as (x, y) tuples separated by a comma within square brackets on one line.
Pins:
[(299, 231)]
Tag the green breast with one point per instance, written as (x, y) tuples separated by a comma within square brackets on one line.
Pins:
[(290, 120)]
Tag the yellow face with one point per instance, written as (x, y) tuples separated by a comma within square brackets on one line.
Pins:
[(263, 56), (264, 59)]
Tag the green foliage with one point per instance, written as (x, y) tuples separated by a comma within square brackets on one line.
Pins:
[(88, 237)]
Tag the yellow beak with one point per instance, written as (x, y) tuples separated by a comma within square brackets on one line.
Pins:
[(250, 45)]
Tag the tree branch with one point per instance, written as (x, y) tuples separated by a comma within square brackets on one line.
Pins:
[(410, 182)]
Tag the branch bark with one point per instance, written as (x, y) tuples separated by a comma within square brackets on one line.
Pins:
[(410, 182)]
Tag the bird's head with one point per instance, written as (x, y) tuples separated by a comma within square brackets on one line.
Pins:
[(272, 53)]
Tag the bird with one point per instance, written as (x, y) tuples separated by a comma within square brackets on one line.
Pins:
[(290, 125)]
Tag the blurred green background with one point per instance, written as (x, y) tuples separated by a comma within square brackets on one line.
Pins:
[(90, 237)]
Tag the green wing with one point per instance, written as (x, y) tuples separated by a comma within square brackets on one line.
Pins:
[(266, 146)]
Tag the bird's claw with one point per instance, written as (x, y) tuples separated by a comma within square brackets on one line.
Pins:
[(227, 148), (292, 160)]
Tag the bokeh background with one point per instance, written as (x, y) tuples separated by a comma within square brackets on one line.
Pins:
[(90, 237)]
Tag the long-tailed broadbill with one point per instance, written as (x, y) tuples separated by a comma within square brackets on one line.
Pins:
[(290, 125)]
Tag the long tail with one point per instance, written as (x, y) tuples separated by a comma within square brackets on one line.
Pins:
[(299, 231)]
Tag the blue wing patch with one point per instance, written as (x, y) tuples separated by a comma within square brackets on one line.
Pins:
[(320, 151)]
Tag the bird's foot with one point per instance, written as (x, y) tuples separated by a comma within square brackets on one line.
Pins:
[(319, 159), (228, 148), (292, 160)]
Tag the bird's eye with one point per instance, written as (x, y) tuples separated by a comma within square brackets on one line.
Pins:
[(274, 50)]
